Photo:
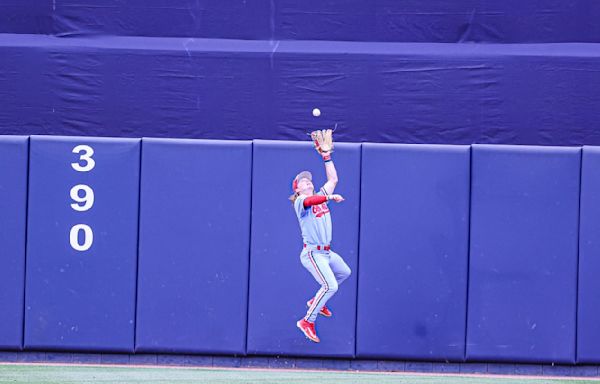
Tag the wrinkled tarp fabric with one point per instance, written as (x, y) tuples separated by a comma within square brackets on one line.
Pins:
[(490, 21), (232, 89)]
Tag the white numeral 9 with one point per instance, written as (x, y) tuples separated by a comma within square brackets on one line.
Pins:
[(87, 157), (87, 199), (88, 237)]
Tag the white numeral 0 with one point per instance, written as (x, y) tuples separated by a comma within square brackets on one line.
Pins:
[(87, 199), (88, 237), (87, 157)]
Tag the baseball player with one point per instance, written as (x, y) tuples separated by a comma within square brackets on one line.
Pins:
[(326, 266)]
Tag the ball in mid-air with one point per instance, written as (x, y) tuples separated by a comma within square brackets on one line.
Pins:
[(316, 112)]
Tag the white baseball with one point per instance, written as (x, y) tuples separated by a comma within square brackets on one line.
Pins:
[(316, 112)]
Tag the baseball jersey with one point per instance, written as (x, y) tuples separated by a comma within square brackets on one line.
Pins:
[(315, 222)]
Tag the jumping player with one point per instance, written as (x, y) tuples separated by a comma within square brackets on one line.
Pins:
[(326, 266)]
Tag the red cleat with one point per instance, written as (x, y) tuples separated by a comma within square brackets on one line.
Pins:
[(308, 329), (324, 311)]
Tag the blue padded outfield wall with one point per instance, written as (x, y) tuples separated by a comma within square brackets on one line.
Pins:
[(413, 251), (82, 236), (194, 246), (458, 253), (279, 284), (14, 153), (588, 332), (523, 260)]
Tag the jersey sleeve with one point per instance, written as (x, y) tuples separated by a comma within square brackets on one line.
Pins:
[(299, 206), (323, 192)]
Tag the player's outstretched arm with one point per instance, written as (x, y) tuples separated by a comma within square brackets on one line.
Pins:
[(332, 177), (324, 146), (320, 199)]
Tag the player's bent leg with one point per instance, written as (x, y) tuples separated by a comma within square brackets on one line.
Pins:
[(307, 324), (324, 311), (320, 299), (340, 269), (317, 263)]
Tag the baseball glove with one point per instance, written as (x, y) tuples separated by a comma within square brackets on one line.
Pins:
[(323, 140)]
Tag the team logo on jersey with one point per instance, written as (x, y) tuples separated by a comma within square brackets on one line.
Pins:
[(320, 210)]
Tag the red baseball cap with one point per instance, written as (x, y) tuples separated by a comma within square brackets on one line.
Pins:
[(300, 176)]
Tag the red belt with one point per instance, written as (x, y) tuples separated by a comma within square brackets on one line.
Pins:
[(319, 247)]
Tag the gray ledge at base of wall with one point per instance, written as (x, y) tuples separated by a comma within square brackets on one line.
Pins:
[(284, 362)]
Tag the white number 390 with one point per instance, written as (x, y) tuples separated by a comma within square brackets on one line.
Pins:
[(86, 157), (88, 237)]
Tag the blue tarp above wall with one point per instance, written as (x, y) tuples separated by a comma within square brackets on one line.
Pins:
[(509, 21), (385, 71), (26, 16), (544, 94)]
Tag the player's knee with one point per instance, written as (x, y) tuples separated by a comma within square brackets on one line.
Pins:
[(333, 287), (348, 272), (345, 273)]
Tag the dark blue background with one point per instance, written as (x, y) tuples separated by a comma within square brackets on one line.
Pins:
[(461, 72), (509, 21)]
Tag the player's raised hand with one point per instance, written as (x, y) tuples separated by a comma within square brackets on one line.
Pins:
[(323, 140), (336, 198)]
